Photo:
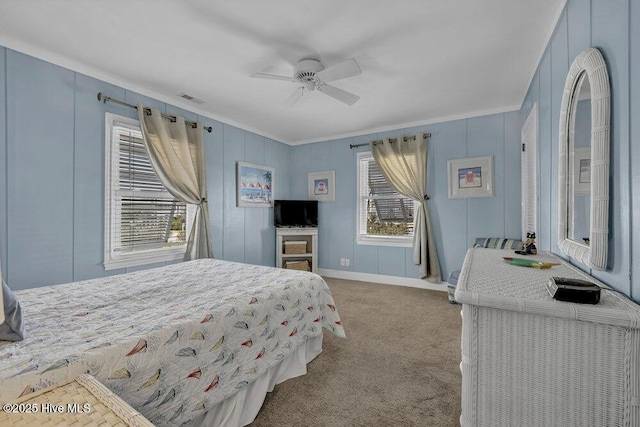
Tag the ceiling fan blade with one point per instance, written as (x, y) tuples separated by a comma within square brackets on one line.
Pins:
[(294, 97), (342, 70), (339, 94), (273, 77)]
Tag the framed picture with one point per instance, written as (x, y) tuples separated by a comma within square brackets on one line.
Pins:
[(254, 185), (581, 171), (471, 177), (322, 186)]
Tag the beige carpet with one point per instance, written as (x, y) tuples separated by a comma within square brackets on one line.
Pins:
[(399, 365)]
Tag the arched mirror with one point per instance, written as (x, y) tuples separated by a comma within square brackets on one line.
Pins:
[(583, 182)]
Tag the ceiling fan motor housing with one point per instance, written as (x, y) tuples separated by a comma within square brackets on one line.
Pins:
[(306, 70)]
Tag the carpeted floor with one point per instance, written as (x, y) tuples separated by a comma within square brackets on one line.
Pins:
[(399, 365)]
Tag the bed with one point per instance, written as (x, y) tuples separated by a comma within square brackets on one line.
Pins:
[(199, 342)]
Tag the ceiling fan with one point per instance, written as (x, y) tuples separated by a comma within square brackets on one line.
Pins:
[(311, 75)]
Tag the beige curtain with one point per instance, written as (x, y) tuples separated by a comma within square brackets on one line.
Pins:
[(1, 297), (404, 165), (177, 155)]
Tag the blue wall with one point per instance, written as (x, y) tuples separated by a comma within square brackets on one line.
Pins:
[(52, 180), (611, 26), (52, 191), (456, 223), (52, 183)]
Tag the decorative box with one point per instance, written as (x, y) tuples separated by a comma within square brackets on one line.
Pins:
[(298, 265), (295, 247)]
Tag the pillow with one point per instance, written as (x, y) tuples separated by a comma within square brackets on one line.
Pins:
[(11, 328), (498, 243), (452, 284)]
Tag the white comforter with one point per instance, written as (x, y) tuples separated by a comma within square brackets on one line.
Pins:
[(171, 341)]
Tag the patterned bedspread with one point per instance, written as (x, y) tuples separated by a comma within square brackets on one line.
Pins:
[(171, 341)]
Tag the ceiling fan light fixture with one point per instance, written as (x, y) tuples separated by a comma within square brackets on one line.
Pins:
[(312, 74)]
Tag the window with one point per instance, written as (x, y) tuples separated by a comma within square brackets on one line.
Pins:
[(529, 176), (385, 217), (144, 223)]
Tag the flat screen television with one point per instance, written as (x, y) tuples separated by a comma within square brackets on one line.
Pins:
[(295, 213)]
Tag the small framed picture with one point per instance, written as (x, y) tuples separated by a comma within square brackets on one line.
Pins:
[(471, 177), (254, 185), (322, 186), (581, 171)]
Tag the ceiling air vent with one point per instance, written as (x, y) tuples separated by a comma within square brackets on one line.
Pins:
[(191, 98)]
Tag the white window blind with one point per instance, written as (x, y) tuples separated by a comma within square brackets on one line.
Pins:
[(385, 217), (144, 222)]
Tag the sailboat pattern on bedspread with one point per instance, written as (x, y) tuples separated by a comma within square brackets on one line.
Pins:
[(171, 341)]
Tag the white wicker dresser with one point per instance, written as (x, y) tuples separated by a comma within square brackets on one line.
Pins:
[(529, 360)]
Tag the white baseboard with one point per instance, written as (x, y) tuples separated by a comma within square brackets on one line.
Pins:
[(385, 280)]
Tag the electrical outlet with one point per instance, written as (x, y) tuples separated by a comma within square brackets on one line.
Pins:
[(343, 262), (347, 262)]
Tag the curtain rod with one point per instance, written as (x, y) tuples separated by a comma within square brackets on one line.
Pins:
[(352, 146), (104, 99)]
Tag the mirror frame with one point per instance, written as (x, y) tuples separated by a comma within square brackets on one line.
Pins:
[(592, 63)]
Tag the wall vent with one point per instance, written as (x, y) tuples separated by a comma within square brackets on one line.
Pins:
[(191, 98)]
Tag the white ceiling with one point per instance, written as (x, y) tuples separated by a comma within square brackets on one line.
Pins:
[(423, 61)]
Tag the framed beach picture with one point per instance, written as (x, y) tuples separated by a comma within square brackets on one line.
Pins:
[(322, 186), (254, 185), (471, 177), (581, 171)]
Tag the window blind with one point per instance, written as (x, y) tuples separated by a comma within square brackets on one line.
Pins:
[(147, 215), (135, 171), (379, 202)]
